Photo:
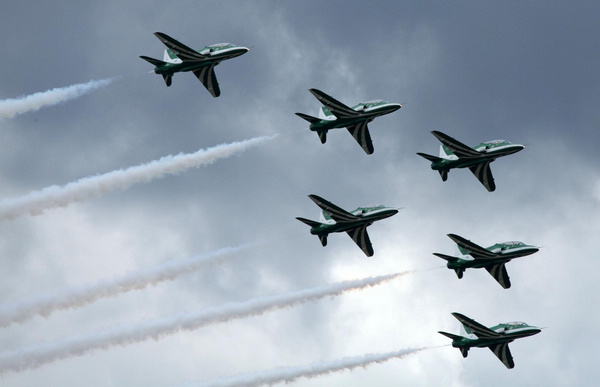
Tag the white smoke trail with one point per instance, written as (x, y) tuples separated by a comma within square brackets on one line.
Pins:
[(36, 356), (289, 374), (11, 107), (77, 297), (37, 202)]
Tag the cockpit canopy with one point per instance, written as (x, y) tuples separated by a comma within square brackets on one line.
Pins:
[(374, 102), (514, 243), (496, 142), (220, 45), (515, 324)]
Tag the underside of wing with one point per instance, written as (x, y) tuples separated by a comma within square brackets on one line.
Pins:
[(458, 148), (360, 132), (473, 249), (361, 238), (500, 274), (207, 76), (503, 353), (483, 173), (182, 51), (338, 109), (338, 214), (479, 330)]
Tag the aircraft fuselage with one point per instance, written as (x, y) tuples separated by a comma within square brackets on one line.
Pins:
[(368, 112), (488, 153), (507, 253), (216, 55), (508, 335), (367, 217)]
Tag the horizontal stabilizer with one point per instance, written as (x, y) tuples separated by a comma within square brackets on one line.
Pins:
[(322, 136), (451, 335), (168, 79), (448, 258), (443, 174), (431, 158), (155, 62), (308, 118), (323, 239), (309, 222)]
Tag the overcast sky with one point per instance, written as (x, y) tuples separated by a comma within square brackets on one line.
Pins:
[(521, 71)]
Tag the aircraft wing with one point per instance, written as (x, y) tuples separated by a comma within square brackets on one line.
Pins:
[(361, 238), (360, 132), (182, 51), (473, 249), (336, 107), (479, 330), (483, 173), (503, 353), (207, 76), (500, 274), (458, 148), (338, 214)]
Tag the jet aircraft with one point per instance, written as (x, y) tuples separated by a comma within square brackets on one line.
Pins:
[(491, 258), (179, 58), (335, 114), (355, 223), (496, 338), (455, 154)]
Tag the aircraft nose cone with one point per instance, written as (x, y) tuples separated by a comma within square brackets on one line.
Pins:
[(392, 212)]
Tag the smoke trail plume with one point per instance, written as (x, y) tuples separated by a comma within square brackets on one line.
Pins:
[(289, 374), (11, 107), (37, 202), (36, 356), (76, 297)]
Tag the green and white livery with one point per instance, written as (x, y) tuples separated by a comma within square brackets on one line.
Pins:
[(355, 223), (492, 258), (495, 338), (455, 154), (335, 115), (180, 58)]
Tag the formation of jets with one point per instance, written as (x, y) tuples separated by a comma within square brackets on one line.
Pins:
[(453, 154)]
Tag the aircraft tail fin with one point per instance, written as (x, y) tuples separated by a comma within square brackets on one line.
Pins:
[(445, 152), (465, 331), (155, 62)]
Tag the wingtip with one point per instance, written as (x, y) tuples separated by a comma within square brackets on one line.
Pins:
[(458, 315), (314, 198)]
